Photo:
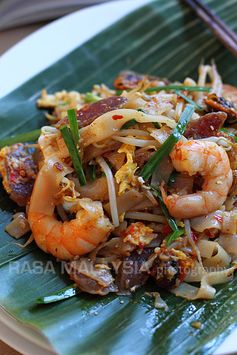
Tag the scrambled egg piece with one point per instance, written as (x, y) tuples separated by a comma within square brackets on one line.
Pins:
[(59, 103), (138, 234), (125, 176), (60, 98), (180, 255)]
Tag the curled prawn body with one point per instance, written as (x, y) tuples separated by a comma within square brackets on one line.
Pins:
[(64, 240), (212, 163)]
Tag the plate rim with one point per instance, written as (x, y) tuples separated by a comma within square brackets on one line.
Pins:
[(23, 337), (74, 23)]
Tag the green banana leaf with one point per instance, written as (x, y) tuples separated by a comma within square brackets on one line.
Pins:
[(163, 38)]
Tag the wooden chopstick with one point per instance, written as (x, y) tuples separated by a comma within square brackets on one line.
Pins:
[(216, 25)]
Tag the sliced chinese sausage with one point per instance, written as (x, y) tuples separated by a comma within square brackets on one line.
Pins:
[(88, 113), (206, 126), (129, 80)]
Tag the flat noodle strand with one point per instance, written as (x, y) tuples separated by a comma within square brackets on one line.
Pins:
[(112, 193)]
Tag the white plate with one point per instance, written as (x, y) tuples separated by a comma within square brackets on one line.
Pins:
[(24, 61), (44, 47), (23, 338)]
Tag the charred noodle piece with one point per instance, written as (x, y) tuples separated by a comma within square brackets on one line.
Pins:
[(216, 103), (88, 113), (206, 126), (19, 171), (130, 277), (129, 80), (91, 278)]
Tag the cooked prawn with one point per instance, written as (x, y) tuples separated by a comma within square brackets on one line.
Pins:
[(212, 163), (64, 240)]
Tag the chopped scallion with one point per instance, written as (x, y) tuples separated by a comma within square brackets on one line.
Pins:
[(225, 130), (76, 160), (172, 178), (90, 98), (92, 172), (156, 125), (171, 87), (177, 87), (129, 124), (174, 235), (170, 220), (170, 142), (72, 117), (21, 138), (190, 101), (63, 294), (176, 232)]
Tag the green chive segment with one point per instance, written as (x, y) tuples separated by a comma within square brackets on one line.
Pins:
[(21, 138), (156, 125), (174, 235), (178, 87), (63, 294), (176, 231), (72, 118), (90, 98), (92, 172), (129, 124), (170, 142), (225, 130), (171, 87), (172, 178), (170, 220), (190, 101), (76, 160)]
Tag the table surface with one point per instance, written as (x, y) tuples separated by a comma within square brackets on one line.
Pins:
[(7, 40), (6, 350), (10, 37)]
